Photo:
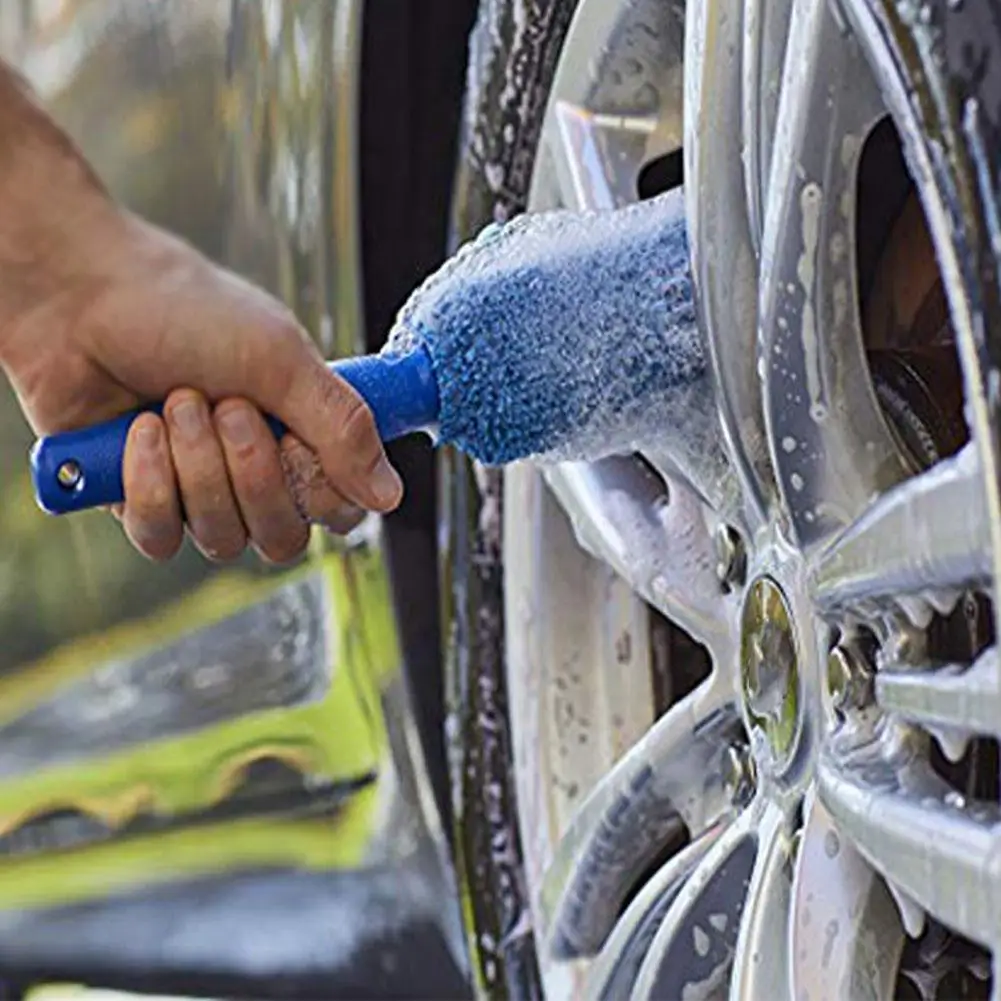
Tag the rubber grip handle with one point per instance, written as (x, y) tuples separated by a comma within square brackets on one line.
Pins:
[(82, 469)]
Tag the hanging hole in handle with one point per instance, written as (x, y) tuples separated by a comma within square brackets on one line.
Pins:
[(69, 476)]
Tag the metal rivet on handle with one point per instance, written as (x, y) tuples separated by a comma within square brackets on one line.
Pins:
[(69, 475)]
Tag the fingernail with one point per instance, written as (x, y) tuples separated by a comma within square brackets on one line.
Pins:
[(188, 418), (236, 426), (148, 435), (386, 483)]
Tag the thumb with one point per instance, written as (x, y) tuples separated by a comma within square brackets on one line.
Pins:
[(335, 422), (273, 363)]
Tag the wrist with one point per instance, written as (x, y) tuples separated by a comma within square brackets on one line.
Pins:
[(51, 203)]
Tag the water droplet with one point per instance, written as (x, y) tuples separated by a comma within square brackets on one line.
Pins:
[(789, 444), (701, 941), (832, 845), (838, 247)]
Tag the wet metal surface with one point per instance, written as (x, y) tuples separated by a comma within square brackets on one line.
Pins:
[(669, 784), (865, 716)]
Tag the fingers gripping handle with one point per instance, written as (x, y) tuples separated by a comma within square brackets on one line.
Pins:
[(83, 469)]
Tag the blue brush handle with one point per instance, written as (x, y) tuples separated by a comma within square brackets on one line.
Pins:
[(83, 469)]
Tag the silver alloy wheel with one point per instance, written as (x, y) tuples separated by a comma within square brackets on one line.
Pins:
[(778, 831)]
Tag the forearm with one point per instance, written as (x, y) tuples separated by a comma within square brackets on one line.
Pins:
[(49, 199)]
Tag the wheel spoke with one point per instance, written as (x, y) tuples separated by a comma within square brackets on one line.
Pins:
[(832, 511), (694, 947), (761, 957), (656, 540), (590, 169), (605, 121), (829, 442), (845, 932), (694, 454), (918, 834), (669, 782), (766, 26), (578, 663), (614, 972), (942, 515), (599, 134), (950, 696), (724, 265)]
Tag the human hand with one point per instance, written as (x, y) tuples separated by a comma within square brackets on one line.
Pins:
[(100, 312)]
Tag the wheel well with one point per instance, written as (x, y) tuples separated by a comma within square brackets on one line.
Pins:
[(413, 78)]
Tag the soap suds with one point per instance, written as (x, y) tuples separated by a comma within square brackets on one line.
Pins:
[(566, 335), (810, 203)]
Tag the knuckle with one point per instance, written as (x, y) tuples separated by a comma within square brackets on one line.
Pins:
[(258, 482), (227, 406), (275, 357), (272, 316), (178, 397), (255, 470), (186, 415), (247, 443), (285, 327)]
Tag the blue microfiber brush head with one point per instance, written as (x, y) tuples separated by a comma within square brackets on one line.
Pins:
[(562, 335)]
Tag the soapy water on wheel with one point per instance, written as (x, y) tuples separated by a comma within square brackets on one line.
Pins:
[(566, 335)]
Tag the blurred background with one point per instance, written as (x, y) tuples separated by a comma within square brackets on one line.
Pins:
[(223, 780)]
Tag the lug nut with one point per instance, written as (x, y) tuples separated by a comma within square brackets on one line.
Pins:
[(731, 558), (849, 679), (739, 777)]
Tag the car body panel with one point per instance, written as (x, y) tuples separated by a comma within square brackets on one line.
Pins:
[(182, 741)]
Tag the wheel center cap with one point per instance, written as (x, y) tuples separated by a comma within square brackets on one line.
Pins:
[(769, 665)]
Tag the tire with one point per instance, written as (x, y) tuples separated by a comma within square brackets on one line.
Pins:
[(670, 831), (413, 74)]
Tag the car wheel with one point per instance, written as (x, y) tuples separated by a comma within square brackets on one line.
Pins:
[(753, 698)]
